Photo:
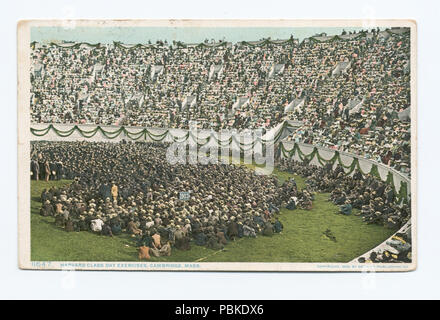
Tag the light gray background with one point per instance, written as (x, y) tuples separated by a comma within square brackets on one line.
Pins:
[(423, 283)]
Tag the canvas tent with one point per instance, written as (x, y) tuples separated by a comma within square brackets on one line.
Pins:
[(407, 68), (156, 70), (240, 102), (282, 130), (82, 98), (341, 67), (97, 69), (189, 102), (137, 98), (384, 35), (215, 70), (38, 70), (405, 115), (354, 105), (276, 69), (295, 105)]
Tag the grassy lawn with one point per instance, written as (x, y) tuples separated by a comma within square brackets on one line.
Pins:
[(301, 241)]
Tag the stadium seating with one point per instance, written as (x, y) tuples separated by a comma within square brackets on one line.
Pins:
[(348, 90)]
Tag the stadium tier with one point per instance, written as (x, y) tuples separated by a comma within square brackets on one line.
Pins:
[(352, 92)]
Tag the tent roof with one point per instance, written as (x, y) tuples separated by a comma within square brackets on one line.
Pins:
[(282, 130), (217, 67), (405, 115), (293, 104)]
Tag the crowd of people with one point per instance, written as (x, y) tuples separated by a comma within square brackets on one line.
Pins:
[(167, 85), (129, 187), (358, 111), (367, 197)]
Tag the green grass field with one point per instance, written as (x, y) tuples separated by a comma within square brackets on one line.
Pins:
[(301, 241)]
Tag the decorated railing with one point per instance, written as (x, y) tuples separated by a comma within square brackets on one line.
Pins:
[(351, 163), (245, 139)]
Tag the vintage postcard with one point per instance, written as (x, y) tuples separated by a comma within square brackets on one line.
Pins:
[(217, 145)]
